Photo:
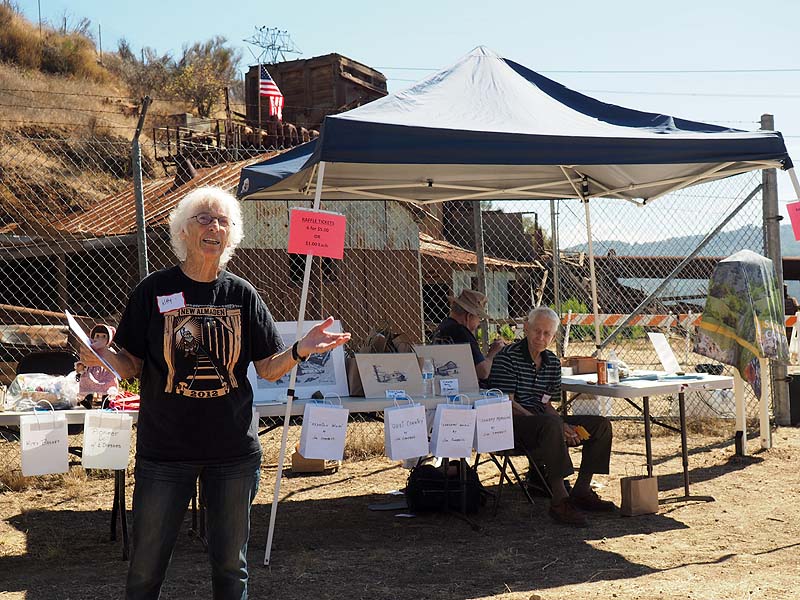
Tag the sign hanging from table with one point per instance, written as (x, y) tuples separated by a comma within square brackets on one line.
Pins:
[(317, 232), (793, 208)]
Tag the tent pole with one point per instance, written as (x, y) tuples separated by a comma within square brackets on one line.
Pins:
[(292, 379), (477, 225), (556, 271), (592, 276), (795, 183)]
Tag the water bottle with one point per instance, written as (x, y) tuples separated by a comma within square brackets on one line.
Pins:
[(613, 367), (427, 378)]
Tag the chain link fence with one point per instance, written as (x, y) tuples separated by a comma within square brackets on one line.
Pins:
[(68, 235)]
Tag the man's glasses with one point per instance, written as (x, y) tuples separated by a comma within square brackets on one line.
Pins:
[(207, 219)]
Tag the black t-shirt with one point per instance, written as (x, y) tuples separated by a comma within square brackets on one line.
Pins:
[(197, 340), (452, 332)]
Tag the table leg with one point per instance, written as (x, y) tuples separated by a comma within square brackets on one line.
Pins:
[(648, 444), (123, 513), (685, 458), (115, 509)]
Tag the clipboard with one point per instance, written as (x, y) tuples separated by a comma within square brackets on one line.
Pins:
[(78, 331)]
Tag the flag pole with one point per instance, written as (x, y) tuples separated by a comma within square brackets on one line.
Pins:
[(293, 377), (258, 96)]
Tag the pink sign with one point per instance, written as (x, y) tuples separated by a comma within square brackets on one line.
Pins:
[(794, 217), (314, 232)]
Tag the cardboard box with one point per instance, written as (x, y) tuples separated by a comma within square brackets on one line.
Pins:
[(580, 364), (301, 464)]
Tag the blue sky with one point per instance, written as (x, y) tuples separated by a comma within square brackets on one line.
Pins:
[(560, 39)]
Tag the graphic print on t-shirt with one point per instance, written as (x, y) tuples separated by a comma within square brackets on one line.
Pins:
[(201, 347)]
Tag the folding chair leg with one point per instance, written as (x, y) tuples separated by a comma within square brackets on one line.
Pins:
[(519, 481)]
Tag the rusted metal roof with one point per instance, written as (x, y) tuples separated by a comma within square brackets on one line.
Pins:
[(116, 215), (452, 253)]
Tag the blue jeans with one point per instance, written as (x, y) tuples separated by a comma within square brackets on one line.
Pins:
[(160, 499)]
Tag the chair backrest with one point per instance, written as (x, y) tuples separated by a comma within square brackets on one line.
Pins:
[(60, 362)]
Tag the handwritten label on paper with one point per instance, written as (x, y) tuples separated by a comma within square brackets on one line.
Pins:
[(320, 233), (171, 302), (448, 387)]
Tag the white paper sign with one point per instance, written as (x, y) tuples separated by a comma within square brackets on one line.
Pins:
[(43, 440), (106, 440), (664, 352), (324, 431), (453, 431), (494, 425), (405, 431), (448, 387)]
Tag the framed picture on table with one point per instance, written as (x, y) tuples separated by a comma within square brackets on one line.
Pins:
[(389, 371), (451, 361), (321, 372)]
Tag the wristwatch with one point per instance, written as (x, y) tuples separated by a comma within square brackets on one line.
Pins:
[(296, 355)]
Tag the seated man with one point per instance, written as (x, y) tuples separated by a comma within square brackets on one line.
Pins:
[(531, 375), (466, 312)]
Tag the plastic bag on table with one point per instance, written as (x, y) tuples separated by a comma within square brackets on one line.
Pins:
[(28, 390)]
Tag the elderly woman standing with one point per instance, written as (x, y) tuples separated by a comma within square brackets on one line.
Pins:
[(190, 332)]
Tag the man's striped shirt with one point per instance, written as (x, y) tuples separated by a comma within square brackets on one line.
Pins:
[(514, 372)]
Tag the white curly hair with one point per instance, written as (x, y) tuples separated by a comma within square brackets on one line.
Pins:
[(195, 202), (545, 312)]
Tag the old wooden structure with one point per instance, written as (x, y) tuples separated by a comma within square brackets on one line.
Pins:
[(315, 87)]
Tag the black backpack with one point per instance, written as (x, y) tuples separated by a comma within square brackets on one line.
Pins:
[(425, 491)]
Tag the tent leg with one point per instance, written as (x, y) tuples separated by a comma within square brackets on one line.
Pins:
[(592, 274), (292, 380), (795, 183), (741, 416), (763, 406)]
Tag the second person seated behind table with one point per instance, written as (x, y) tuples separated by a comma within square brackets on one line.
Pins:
[(531, 375), (466, 312)]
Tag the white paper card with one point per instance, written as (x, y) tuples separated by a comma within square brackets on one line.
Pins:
[(664, 352), (106, 440), (448, 387), (43, 441), (405, 431), (494, 425), (324, 431), (453, 431), (171, 302)]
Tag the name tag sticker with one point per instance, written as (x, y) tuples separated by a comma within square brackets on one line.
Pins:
[(545, 398), (171, 302), (449, 387)]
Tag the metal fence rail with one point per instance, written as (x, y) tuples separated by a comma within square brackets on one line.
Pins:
[(68, 241)]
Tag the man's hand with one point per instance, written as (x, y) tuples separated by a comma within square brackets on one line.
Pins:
[(319, 341), (496, 346), (571, 437)]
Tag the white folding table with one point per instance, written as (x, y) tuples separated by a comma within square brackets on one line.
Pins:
[(644, 387)]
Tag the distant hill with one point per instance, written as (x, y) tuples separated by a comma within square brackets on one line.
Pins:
[(724, 244)]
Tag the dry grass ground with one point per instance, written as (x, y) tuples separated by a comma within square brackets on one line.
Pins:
[(54, 541)]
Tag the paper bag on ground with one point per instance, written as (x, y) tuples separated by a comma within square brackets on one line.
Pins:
[(453, 431), (43, 441), (639, 495), (324, 431), (405, 431), (494, 425), (106, 440)]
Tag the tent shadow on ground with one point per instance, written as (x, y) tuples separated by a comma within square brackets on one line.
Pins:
[(337, 548)]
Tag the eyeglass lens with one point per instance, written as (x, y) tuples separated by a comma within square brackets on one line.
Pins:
[(207, 219)]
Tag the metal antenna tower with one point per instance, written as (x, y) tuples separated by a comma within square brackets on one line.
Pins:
[(274, 43)]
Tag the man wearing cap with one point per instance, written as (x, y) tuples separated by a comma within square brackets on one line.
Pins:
[(467, 310)]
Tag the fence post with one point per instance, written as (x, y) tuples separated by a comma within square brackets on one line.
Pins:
[(772, 248), (136, 157), (480, 267), (556, 272)]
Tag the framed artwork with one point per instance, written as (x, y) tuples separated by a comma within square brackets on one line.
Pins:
[(389, 371), (321, 372), (451, 361)]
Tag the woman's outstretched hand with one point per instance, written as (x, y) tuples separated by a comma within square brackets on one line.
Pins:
[(319, 341)]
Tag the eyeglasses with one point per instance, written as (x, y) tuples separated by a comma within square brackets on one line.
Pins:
[(207, 219)]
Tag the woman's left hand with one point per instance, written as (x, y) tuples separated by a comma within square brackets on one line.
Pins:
[(319, 341)]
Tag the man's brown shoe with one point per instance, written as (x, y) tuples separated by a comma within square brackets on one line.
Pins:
[(565, 513), (592, 502)]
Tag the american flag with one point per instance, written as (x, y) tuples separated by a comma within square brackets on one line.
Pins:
[(268, 88)]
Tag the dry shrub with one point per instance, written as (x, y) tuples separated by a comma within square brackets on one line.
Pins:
[(71, 54), (19, 41)]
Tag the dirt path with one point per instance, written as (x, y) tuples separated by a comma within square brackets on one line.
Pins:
[(54, 543)]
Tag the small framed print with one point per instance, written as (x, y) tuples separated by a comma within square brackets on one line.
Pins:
[(321, 372), (451, 361), (389, 371)]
